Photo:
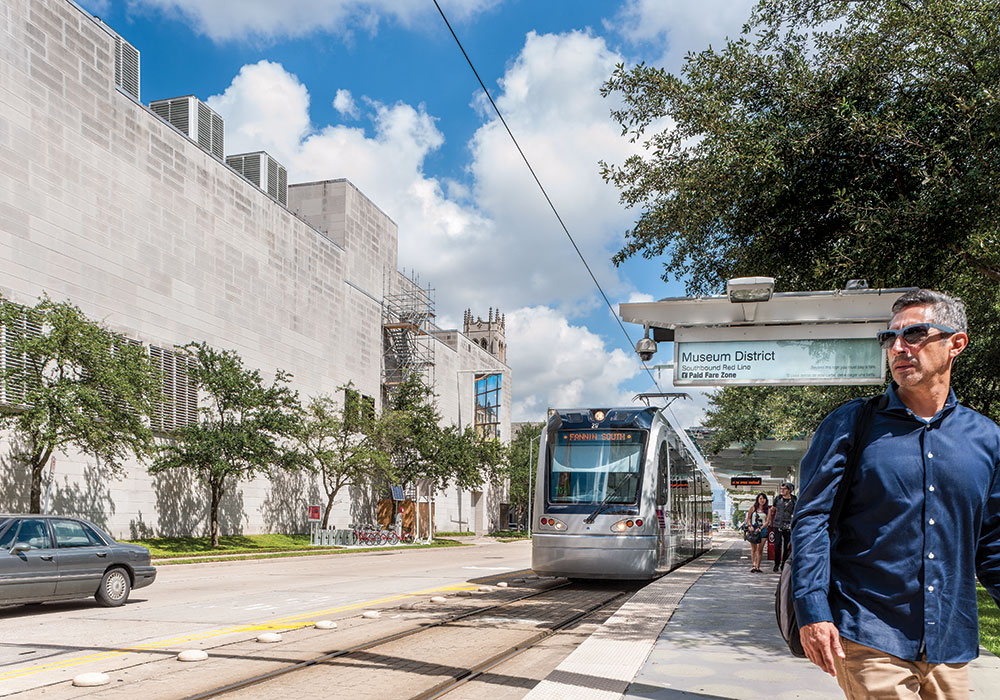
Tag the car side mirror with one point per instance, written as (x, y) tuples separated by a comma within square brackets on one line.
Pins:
[(20, 547)]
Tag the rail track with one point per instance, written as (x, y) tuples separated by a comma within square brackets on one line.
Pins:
[(433, 658)]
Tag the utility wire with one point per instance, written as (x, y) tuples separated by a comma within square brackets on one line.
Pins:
[(544, 193)]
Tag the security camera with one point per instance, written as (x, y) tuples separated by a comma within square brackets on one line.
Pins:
[(646, 348)]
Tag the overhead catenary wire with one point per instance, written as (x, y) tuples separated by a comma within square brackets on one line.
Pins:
[(544, 193)]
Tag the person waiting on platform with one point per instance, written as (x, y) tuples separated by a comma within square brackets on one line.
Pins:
[(781, 521), (757, 519)]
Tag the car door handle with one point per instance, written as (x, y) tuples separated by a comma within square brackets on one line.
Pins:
[(45, 557), (102, 554)]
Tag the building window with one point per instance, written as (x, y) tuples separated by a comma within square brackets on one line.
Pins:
[(488, 405), (177, 405), (21, 325)]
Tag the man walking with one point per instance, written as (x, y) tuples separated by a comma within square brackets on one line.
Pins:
[(784, 507), (885, 597)]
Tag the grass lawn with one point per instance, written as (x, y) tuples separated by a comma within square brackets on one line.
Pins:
[(252, 546), (989, 621), (510, 535)]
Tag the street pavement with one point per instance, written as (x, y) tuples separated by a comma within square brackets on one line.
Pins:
[(207, 605)]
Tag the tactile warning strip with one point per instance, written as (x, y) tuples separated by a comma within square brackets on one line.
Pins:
[(603, 666)]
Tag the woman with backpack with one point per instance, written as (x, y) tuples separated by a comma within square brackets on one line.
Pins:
[(757, 521)]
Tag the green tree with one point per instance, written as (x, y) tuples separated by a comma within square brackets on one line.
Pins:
[(421, 449), (831, 140), (245, 426), (345, 450), (69, 382), (522, 467), (412, 433)]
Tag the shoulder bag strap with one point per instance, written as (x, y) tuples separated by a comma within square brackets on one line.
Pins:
[(862, 429)]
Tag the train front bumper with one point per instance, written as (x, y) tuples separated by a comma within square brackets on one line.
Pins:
[(594, 556)]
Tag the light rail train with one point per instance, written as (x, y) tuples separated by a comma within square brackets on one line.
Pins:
[(619, 494)]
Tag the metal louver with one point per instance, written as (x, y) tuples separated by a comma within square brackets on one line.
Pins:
[(272, 177), (194, 119), (126, 67), (218, 136), (264, 171), (178, 402), (17, 387)]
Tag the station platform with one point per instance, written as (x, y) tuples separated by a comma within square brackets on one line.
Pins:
[(704, 632)]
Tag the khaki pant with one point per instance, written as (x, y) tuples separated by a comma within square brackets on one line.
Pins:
[(869, 674)]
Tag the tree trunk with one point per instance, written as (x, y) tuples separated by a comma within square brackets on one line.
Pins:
[(329, 507), (35, 496), (216, 498)]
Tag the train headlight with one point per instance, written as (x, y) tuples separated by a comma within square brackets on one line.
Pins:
[(553, 523), (625, 525)]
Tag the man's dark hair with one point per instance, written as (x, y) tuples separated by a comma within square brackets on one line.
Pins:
[(948, 311)]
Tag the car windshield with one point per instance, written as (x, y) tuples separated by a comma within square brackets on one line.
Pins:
[(591, 466)]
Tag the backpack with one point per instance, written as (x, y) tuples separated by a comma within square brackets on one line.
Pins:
[(784, 607)]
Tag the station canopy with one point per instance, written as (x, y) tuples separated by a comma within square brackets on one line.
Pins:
[(752, 336)]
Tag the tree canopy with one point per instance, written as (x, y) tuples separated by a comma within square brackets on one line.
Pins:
[(342, 446), (245, 426), (70, 382), (831, 140)]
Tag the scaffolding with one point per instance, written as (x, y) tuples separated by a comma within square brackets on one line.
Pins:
[(407, 320)]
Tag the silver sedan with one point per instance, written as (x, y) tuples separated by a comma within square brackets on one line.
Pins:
[(49, 557)]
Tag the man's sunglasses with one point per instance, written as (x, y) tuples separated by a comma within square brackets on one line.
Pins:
[(912, 335)]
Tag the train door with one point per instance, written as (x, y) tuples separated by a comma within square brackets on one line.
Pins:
[(663, 554)]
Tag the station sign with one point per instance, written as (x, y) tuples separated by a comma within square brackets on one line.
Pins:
[(745, 481), (762, 355), (315, 512)]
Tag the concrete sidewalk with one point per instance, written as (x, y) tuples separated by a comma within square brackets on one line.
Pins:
[(704, 632), (722, 642)]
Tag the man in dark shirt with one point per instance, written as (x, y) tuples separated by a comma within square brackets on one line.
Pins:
[(887, 603), (784, 507)]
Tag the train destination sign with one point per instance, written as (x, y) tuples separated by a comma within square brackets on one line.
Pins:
[(616, 437), (786, 362), (745, 481)]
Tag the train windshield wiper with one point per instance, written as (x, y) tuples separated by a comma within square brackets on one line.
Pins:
[(603, 506)]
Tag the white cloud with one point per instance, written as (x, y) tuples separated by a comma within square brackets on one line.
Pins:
[(508, 236), (639, 298), (227, 20), (560, 365), (344, 103), (265, 108), (681, 26), (493, 242)]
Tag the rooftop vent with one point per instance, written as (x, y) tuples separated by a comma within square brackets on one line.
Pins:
[(194, 119), (126, 62), (126, 67), (264, 171)]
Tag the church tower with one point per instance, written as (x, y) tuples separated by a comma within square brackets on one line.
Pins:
[(488, 334)]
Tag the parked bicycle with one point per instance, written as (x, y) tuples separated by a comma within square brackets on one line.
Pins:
[(372, 536)]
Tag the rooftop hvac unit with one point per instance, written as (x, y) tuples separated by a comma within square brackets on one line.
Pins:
[(126, 62), (126, 67), (196, 120), (262, 170)]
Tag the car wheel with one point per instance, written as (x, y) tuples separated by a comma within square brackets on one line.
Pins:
[(114, 589)]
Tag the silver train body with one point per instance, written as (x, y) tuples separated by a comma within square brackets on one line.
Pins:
[(619, 494)]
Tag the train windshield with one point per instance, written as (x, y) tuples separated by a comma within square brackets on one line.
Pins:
[(595, 466)]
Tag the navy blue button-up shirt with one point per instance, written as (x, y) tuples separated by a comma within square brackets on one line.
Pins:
[(922, 517)]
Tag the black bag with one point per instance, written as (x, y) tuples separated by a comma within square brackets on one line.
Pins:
[(784, 608)]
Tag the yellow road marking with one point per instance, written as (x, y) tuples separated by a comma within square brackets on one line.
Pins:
[(277, 623)]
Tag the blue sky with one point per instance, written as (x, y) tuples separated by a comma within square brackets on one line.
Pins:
[(377, 91)]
